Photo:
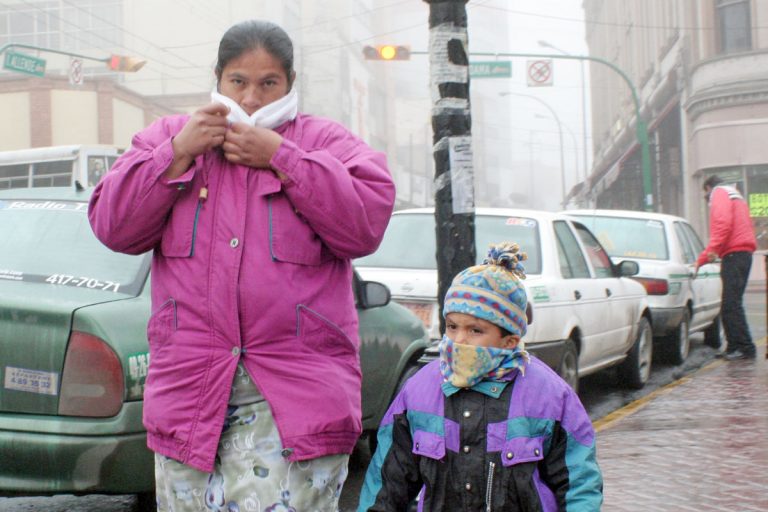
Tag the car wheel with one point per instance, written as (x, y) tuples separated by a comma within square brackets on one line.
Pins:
[(714, 336), (569, 365), (678, 344), (636, 368)]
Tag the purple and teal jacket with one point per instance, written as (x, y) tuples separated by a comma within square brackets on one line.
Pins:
[(525, 444)]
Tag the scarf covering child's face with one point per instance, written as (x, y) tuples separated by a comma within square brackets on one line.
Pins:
[(469, 330), (254, 79)]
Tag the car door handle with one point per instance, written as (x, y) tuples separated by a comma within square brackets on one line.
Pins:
[(608, 292), (577, 294)]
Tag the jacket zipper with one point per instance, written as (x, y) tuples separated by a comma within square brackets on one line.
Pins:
[(271, 247), (200, 200), (489, 486)]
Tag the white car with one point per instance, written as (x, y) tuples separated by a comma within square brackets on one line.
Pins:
[(587, 314), (666, 248)]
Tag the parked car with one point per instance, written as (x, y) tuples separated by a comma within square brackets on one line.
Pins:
[(665, 247), (74, 354), (587, 314)]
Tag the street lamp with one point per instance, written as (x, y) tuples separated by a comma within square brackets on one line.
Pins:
[(641, 128), (546, 44), (560, 132)]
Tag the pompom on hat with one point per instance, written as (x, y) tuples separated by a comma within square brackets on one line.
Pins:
[(493, 291)]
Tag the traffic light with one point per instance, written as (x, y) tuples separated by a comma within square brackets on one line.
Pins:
[(125, 64), (387, 52)]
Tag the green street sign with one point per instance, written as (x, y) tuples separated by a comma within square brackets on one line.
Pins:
[(491, 69), (24, 64)]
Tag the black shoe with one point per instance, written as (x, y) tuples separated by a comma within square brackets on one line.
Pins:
[(738, 355)]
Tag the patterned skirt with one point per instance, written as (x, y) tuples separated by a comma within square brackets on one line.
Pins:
[(250, 474)]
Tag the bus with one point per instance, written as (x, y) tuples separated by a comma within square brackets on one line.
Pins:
[(56, 166)]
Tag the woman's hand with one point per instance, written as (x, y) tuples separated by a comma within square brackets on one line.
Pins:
[(251, 145), (205, 130)]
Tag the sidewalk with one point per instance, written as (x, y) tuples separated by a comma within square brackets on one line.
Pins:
[(699, 444)]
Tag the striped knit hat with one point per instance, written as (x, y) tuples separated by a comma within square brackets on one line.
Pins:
[(493, 291)]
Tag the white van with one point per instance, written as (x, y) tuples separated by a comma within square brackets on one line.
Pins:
[(56, 166)]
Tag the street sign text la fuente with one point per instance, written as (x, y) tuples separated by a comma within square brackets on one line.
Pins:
[(24, 63)]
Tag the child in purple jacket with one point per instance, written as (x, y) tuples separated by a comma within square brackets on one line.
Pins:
[(487, 426)]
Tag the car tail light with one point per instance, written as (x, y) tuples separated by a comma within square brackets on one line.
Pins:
[(92, 382), (654, 286)]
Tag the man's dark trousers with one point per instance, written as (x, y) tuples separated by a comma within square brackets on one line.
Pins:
[(734, 272)]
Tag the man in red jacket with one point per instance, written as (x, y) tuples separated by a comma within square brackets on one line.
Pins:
[(732, 239)]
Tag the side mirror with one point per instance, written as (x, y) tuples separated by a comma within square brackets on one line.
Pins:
[(628, 268), (373, 294)]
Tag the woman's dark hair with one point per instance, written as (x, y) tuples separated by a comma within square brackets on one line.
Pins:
[(253, 34)]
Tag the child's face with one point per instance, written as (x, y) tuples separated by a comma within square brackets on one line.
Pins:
[(469, 330)]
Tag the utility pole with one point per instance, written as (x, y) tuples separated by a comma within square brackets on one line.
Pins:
[(452, 142)]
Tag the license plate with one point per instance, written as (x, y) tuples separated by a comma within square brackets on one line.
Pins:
[(32, 381)]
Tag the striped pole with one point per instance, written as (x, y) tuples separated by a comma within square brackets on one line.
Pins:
[(452, 142)]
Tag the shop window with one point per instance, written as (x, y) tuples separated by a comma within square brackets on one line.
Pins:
[(757, 195)]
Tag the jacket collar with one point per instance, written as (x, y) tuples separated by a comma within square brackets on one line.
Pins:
[(491, 388)]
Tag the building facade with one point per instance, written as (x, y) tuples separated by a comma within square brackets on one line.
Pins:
[(387, 103), (180, 58), (698, 70)]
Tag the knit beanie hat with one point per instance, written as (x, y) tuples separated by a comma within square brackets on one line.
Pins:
[(493, 291)]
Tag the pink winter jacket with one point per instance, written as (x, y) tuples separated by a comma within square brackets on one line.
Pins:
[(730, 226), (259, 271)]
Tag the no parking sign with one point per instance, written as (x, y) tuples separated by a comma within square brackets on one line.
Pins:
[(539, 72)]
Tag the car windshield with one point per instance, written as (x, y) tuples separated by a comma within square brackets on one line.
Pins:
[(410, 241), (51, 243), (625, 237)]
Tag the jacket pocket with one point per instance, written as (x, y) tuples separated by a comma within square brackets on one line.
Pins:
[(320, 335), (181, 227), (429, 444), (291, 239), (522, 449), (162, 324)]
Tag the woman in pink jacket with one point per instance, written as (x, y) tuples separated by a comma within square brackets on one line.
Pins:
[(253, 212)]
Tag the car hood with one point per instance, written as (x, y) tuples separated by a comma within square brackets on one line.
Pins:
[(35, 324)]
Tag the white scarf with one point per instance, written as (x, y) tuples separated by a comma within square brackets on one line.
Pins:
[(269, 116)]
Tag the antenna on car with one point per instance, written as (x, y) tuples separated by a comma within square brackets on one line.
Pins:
[(79, 186)]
